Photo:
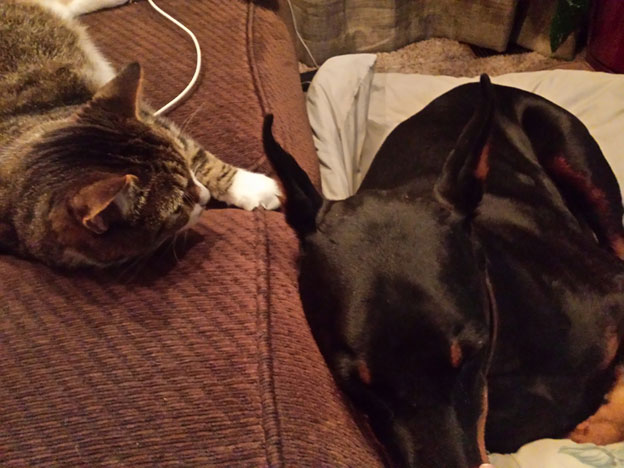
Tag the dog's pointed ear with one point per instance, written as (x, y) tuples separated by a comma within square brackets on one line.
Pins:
[(303, 202), (460, 185)]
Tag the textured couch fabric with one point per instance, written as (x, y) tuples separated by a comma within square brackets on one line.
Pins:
[(336, 27), (202, 356)]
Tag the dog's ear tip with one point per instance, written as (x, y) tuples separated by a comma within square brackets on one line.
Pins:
[(302, 199), (487, 88), (460, 185), (267, 125)]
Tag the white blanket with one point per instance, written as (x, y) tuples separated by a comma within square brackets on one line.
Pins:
[(352, 110)]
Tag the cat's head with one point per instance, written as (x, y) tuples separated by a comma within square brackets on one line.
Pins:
[(106, 185)]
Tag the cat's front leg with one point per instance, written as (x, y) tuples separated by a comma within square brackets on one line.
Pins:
[(233, 185), (251, 190), (82, 7)]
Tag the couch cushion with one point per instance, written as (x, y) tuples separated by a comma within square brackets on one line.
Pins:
[(249, 69), (312, 426), (201, 356), (154, 365)]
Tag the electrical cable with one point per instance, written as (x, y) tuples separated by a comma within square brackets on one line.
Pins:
[(195, 77)]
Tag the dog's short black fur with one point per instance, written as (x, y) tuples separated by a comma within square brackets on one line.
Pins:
[(475, 272)]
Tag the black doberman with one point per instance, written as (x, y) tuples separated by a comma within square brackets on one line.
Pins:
[(469, 295)]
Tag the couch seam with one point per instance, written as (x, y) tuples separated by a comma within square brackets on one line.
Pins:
[(266, 382), (255, 75), (253, 63)]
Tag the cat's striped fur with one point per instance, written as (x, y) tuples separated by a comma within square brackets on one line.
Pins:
[(88, 174)]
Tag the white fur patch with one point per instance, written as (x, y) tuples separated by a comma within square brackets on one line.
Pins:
[(250, 190), (98, 70), (58, 8), (198, 209), (204, 193), (193, 218)]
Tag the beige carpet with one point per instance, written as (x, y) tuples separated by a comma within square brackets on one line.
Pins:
[(448, 57)]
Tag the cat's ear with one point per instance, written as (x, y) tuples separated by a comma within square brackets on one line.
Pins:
[(121, 95), (103, 202)]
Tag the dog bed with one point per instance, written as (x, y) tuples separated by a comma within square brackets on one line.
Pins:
[(352, 110)]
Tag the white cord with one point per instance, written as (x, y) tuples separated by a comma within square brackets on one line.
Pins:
[(305, 46), (189, 87)]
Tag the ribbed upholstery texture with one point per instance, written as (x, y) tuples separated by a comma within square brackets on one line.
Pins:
[(201, 356)]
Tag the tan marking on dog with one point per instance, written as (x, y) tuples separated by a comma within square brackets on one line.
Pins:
[(597, 198), (364, 372), (483, 167), (606, 426), (617, 245), (612, 346), (456, 354)]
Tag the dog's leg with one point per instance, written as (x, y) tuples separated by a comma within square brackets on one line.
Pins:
[(573, 160)]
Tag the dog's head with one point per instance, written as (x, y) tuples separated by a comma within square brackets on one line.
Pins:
[(395, 291)]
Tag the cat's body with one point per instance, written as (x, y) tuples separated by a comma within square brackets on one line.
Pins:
[(88, 175)]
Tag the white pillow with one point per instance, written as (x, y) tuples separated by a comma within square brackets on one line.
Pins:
[(340, 102), (352, 110)]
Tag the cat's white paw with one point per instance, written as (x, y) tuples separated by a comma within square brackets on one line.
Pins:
[(250, 190)]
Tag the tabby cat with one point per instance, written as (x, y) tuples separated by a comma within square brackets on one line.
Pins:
[(88, 174)]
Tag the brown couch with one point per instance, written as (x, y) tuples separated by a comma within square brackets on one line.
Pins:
[(202, 356)]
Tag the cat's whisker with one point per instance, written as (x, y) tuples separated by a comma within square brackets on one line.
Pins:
[(139, 265), (188, 120), (130, 265), (163, 247), (139, 262), (173, 247)]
